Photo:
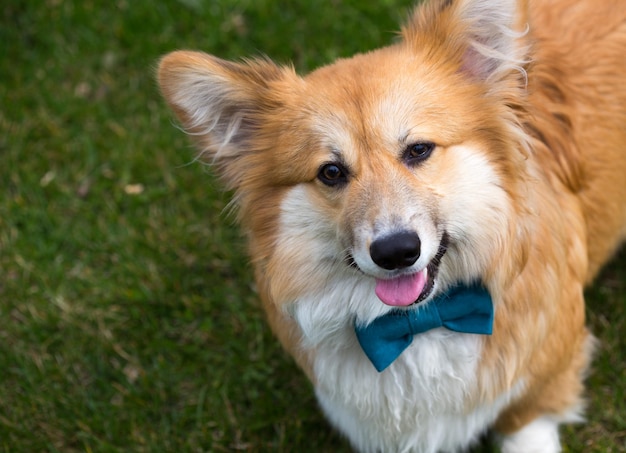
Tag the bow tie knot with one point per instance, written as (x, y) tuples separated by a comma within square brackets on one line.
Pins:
[(466, 309)]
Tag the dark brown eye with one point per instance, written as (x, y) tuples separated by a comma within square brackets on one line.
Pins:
[(418, 152), (332, 174)]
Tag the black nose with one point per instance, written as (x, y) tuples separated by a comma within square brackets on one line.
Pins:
[(396, 251)]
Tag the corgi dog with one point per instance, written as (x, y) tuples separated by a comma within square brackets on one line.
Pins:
[(422, 218)]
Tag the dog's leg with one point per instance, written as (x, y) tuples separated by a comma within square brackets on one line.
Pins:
[(539, 436), (531, 424)]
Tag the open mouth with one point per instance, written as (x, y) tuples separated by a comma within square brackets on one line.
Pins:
[(409, 289)]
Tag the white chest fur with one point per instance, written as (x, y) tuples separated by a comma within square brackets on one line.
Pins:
[(418, 404), (421, 403)]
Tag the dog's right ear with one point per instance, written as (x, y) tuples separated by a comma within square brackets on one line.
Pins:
[(222, 105), (484, 37)]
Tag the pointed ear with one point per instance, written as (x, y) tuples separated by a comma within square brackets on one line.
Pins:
[(494, 31), (485, 36), (221, 104)]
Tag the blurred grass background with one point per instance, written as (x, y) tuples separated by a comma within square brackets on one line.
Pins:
[(128, 320)]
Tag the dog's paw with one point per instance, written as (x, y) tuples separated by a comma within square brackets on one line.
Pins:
[(539, 436)]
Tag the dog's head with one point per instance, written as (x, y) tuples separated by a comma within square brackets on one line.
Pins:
[(392, 173)]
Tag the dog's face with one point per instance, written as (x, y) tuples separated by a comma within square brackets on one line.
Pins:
[(391, 172)]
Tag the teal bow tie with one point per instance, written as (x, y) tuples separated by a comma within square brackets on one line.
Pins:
[(463, 308)]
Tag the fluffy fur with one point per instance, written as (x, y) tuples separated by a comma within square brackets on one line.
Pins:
[(522, 106)]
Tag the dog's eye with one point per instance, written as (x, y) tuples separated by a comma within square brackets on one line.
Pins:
[(332, 174), (418, 152)]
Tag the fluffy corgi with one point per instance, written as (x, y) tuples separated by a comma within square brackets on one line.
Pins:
[(422, 218)]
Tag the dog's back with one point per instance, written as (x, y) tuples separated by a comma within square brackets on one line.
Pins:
[(577, 91)]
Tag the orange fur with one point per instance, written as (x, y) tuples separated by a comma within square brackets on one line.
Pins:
[(543, 121)]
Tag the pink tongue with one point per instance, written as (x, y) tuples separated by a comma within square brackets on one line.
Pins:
[(401, 291)]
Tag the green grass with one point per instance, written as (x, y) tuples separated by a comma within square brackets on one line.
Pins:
[(128, 320)]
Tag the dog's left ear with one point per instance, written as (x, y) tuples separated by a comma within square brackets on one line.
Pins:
[(485, 37), (223, 105)]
